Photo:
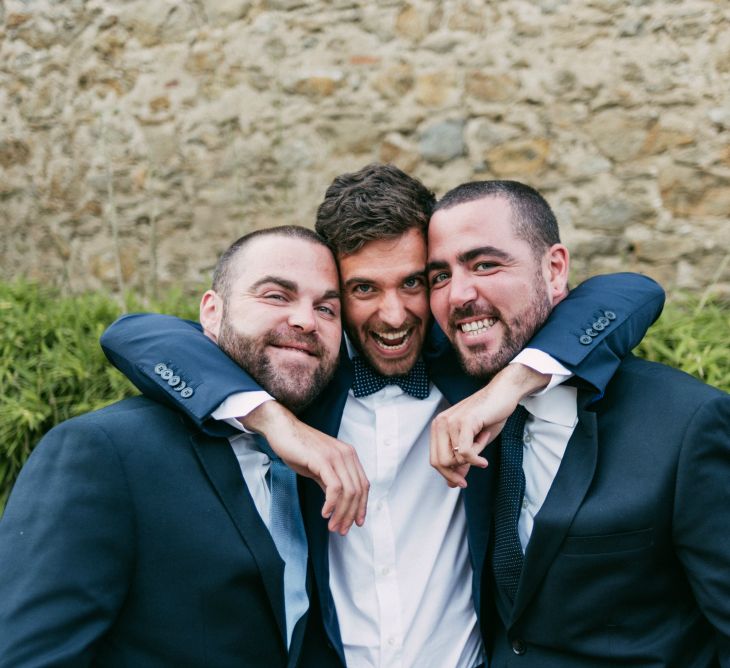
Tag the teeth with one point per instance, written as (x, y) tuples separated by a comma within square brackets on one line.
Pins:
[(382, 339), (477, 326), (392, 336)]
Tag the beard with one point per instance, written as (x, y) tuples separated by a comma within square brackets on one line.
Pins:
[(294, 384), (478, 361)]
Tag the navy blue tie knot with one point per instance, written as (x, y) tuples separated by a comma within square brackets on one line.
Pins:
[(368, 380)]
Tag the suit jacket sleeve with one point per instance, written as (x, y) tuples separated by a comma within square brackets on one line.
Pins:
[(66, 541), (138, 342), (599, 323), (701, 521)]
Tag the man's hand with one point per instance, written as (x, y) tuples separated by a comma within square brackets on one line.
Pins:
[(332, 464), (460, 433)]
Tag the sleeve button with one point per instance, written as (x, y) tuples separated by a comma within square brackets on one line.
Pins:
[(160, 369), (610, 315), (187, 393), (585, 339)]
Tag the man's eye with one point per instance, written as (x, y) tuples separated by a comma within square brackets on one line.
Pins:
[(275, 296), (327, 310), (413, 282), (484, 266), (363, 289), (439, 278)]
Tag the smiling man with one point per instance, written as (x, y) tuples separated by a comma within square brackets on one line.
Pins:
[(403, 589), (131, 538), (608, 514)]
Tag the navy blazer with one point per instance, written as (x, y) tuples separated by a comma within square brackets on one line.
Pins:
[(628, 563), (628, 303), (129, 539)]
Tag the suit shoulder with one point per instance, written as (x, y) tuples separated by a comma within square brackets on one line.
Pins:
[(121, 417), (657, 380)]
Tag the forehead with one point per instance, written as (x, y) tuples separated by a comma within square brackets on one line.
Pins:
[(376, 259), (302, 261), (482, 222)]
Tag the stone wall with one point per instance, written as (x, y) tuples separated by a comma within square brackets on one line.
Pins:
[(139, 137)]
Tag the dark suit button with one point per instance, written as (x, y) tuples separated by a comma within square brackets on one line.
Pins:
[(585, 339), (610, 315), (519, 647), (187, 393), (598, 326), (180, 386), (592, 332), (604, 321), (160, 369), (175, 380)]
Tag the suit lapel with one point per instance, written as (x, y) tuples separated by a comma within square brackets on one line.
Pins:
[(566, 494), (221, 466)]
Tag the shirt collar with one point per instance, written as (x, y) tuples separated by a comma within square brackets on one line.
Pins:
[(559, 405)]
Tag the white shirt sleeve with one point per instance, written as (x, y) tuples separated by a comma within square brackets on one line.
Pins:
[(541, 362), (240, 405)]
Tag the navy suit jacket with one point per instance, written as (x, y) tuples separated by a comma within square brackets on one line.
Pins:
[(628, 563), (137, 343), (130, 540)]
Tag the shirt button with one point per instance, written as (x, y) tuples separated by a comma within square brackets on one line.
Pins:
[(525, 504), (388, 442), (527, 438), (385, 570), (391, 641)]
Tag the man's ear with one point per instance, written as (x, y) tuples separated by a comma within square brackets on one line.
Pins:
[(211, 314), (557, 268)]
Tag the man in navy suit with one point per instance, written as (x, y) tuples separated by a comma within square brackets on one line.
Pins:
[(611, 535), (405, 587), (132, 538)]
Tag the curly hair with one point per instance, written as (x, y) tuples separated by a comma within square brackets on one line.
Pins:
[(376, 202)]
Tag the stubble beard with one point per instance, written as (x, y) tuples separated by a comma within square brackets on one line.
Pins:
[(293, 385), (477, 361)]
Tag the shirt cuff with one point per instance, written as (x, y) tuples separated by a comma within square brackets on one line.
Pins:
[(240, 405), (540, 361)]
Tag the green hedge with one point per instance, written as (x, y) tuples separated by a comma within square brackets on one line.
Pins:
[(52, 368)]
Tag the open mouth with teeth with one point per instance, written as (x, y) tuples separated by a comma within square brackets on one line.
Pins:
[(392, 341), (476, 327)]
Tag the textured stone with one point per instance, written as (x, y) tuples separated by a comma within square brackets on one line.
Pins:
[(519, 159), (213, 117), (442, 142)]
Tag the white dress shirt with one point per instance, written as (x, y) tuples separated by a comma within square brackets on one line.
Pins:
[(552, 418), (401, 584), (254, 466)]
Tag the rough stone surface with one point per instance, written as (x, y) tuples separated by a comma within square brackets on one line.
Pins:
[(139, 137)]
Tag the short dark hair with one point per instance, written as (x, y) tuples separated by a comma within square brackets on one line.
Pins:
[(376, 202), (222, 274), (532, 217)]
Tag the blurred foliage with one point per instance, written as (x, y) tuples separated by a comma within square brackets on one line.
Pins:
[(52, 367), (692, 334)]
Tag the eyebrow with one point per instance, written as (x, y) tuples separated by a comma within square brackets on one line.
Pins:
[(468, 256), (291, 286)]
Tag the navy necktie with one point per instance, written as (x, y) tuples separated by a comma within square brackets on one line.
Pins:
[(287, 531), (368, 381), (507, 557)]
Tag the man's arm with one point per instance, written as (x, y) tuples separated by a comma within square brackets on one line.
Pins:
[(701, 522), (589, 333), (66, 541), (159, 353)]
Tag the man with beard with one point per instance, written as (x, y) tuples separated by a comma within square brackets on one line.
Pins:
[(131, 538), (402, 590), (610, 527)]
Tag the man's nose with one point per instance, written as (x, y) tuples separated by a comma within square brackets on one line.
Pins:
[(462, 290), (392, 310), (303, 316)]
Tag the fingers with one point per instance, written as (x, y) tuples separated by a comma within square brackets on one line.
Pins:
[(346, 488), (442, 456)]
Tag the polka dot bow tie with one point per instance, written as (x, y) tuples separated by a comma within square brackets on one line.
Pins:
[(367, 380)]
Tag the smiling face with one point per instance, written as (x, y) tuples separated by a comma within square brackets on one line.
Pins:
[(385, 301), (280, 316), (489, 289)]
